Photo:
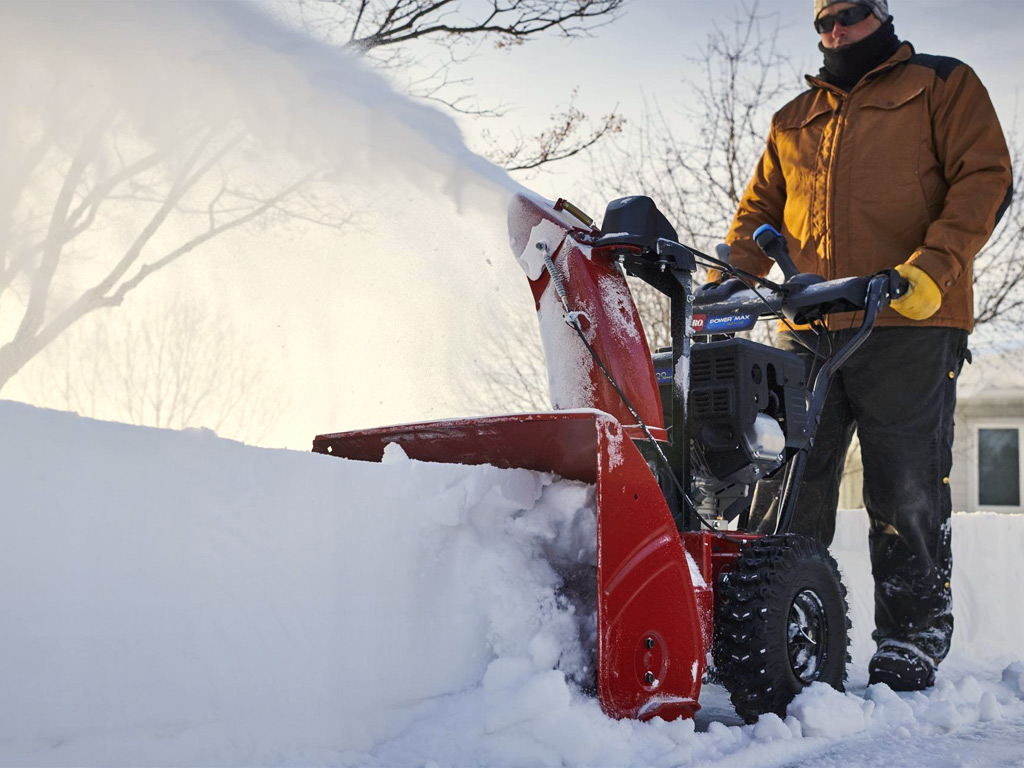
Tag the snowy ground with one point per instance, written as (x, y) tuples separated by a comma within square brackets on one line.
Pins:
[(170, 598)]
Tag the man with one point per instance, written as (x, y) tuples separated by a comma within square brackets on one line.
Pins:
[(892, 159)]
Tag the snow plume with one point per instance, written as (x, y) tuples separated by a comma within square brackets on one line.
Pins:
[(222, 105), (167, 63)]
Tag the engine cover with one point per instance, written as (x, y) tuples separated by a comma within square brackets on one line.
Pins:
[(748, 405)]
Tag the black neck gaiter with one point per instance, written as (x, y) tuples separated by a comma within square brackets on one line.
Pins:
[(844, 67)]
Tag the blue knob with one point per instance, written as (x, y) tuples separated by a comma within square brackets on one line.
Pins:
[(768, 228)]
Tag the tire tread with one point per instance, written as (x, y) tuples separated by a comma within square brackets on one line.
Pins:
[(758, 677)]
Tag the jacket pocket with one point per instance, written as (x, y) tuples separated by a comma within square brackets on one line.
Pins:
[(802, 119), (893, 100), (889, 127)]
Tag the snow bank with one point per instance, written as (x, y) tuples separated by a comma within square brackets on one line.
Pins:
[(176, 599), (180, 598)]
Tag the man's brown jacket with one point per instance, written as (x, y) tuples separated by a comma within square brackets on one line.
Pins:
[(910, 165)]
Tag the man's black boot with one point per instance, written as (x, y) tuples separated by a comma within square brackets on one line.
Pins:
[(901, 666)]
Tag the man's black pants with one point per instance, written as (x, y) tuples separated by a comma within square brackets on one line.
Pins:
[(898, 391)]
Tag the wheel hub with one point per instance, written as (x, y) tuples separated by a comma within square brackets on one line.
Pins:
[(807, 635)]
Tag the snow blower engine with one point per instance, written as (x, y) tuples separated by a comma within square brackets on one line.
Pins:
[(674, 442)]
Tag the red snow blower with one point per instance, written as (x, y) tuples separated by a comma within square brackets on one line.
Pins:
[(675, 443)]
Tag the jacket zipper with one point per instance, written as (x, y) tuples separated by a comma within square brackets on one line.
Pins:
[(830, 191), (840, 115)]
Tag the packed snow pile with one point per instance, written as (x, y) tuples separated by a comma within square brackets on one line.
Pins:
[(171, 598)]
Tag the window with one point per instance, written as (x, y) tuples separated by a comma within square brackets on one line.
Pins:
[(998, 466)]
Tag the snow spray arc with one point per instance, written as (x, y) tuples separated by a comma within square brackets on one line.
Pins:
[(174, 122), (167, 63)]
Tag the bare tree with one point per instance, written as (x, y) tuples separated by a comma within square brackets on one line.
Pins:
[(514, 375), (424, 42), (999, 269), (175, 365), (696, 164), (560, 142), (383, 27), (170, 195)]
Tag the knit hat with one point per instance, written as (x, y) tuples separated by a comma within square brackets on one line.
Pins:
[(878, 7)]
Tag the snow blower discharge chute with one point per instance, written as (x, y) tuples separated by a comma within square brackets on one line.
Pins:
[(674, 443)]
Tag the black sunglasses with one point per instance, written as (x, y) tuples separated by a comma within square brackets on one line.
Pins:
[(846, 17)]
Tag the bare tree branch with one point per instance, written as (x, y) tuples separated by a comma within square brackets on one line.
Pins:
[(39, 293), (696, 164), (998, 268), (169, 179), (384, 31), (559, 142), (395, 22), (174, 366)]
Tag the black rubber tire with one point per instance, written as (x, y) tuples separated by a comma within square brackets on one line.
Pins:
[(781, 623)]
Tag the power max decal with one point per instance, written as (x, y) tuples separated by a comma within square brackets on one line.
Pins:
[(723, 324)]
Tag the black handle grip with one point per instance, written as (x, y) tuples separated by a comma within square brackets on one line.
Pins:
[(899, 286), (774, 246)]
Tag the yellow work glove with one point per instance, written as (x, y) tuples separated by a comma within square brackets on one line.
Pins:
[(923, 299)]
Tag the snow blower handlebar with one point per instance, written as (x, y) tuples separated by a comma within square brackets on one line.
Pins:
[(655, 257), (803, 298)]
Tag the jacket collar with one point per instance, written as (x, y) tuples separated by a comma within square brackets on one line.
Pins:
[(902, 55)]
